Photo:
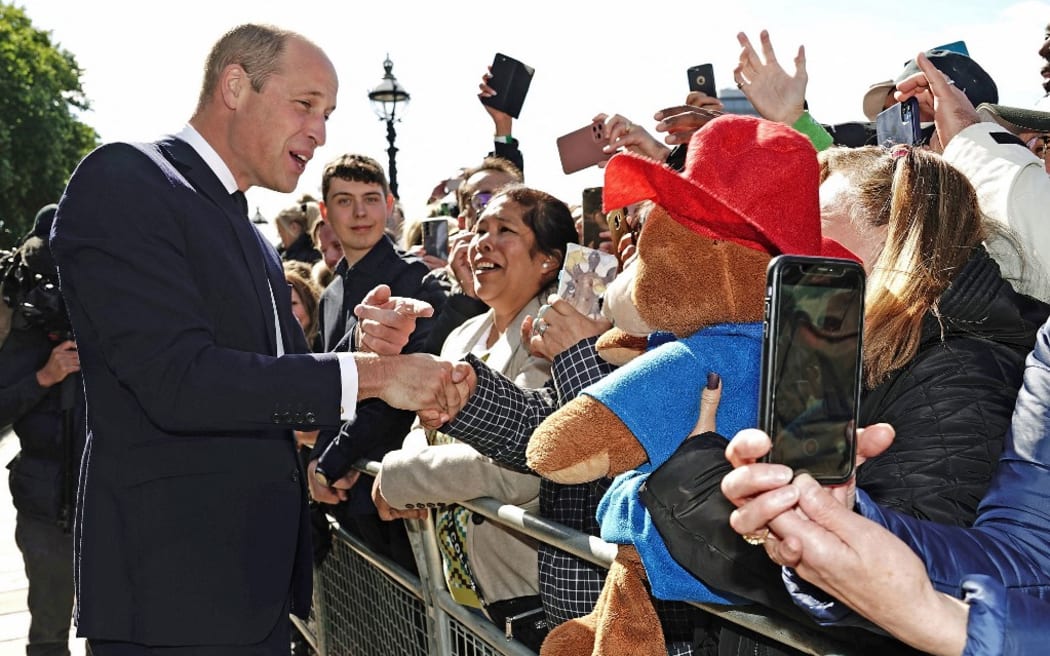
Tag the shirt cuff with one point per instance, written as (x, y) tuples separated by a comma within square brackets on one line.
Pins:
[(348, 377), (814, 131)]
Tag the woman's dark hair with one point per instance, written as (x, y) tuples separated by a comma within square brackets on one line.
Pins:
[(549, 218)]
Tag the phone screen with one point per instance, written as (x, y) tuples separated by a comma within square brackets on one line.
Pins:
[(811, 368), (593, 218)]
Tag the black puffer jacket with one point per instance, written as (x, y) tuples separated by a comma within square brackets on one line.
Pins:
[(951, 405)]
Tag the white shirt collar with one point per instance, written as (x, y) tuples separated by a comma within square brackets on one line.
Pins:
[(190, 135)]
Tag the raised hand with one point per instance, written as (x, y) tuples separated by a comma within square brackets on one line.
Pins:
[(776, 95), (623, 134), (564, 326)]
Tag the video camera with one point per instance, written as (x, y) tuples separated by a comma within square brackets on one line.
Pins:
[(29, 286)]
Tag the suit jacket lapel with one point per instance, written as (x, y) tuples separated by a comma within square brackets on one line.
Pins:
[(200, 175)]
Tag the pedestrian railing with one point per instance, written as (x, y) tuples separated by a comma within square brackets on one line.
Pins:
[(367, 605)]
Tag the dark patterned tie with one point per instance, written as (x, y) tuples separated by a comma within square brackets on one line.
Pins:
[(272, 267), (242, 202)]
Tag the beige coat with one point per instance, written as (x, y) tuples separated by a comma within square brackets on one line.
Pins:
[(502, 561)]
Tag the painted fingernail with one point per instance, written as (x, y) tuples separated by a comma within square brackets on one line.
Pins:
[(713, 380)]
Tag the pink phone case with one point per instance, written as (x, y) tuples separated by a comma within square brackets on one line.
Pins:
[(582, 148)]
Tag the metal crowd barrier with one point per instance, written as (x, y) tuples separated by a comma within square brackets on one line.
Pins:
[(367, 605)]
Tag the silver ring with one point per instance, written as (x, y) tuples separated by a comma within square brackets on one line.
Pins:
[(542, 311), (951, 82), (539, 326)]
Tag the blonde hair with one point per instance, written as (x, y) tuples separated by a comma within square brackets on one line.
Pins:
[(306, 215), (298, 276), (933, 224), (255, 48)]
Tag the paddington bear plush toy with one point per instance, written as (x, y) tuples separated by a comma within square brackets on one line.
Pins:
[(749, 191)]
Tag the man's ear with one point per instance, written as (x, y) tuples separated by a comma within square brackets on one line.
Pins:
[(324, 210), (233, 83), (389, 204)]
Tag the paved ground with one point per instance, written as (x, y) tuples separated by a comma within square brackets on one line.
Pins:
[(14, 618)]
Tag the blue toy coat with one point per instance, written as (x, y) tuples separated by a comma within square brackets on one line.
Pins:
[(657, 396)]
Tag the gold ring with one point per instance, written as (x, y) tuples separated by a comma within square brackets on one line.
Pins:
[(756, 539), (628, 128)]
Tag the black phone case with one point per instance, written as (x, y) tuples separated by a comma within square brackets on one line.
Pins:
[(702, 78), (899, 125), (769, 365), (510, 80)]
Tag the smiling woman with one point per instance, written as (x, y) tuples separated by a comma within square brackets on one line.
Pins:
[(515, 253), (517, 249)]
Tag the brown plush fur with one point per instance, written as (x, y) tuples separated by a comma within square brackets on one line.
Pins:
[(619, 347), (601, 446), (683, 283), (614, 624)]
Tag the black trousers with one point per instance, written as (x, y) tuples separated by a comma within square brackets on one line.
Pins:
[(48, 556), (278, 643)]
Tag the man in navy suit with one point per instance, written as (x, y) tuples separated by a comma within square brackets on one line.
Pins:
[(191, 531)]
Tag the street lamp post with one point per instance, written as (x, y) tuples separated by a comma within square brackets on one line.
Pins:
[(387, 98)]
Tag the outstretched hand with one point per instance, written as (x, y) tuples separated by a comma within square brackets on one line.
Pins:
[(867, 567), (952, 110), (386, 322), (762, 491), (625, 135), (502, 120), (564, 326), (433, 416), (776, 95)]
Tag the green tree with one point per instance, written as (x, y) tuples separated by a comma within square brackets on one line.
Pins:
[(41, 138)]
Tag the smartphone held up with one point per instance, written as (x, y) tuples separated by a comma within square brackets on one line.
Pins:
[(899, 125), (811, 364)]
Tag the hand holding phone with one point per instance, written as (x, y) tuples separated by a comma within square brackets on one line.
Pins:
[(702, 79), (583, 148), (899, 124), (510, 80), (811, 364)]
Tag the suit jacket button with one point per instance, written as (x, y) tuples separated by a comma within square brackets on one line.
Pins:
[(277, 417), (297, 418), (295, 476), (311, 418)]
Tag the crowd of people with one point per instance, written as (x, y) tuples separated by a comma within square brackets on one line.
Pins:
[(197, 362)]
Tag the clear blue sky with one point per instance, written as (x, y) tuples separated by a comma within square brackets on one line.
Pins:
[(142, 64)]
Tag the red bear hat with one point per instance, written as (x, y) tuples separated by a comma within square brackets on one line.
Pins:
[(746, 180)]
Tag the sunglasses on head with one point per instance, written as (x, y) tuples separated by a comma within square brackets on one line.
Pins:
[(480, 200)]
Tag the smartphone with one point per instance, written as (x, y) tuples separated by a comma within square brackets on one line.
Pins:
[(593, 217), (582, 148), (510, 80), (811, 364), (899, 124), (435, 237), (702, 78), (618, 226)]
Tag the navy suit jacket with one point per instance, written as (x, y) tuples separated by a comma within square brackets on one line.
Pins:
[(191, 525)]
